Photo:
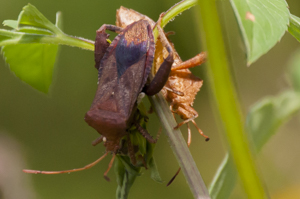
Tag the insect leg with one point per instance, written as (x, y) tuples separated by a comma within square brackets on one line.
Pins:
[(112, 28), (101, 43), (173, 178), (169, 33), (171, 109), (191, 119), (97, 141), (150, 111), (140, 157), (185, 121), (144, 117), (162, 75), (195, 61), (189, 135), (179, 93), (131, 150), (188, 126), (109, 167), (200, 131), (145, 133)]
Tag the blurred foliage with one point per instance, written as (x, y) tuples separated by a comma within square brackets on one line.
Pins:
[(294, 27), (294, 70), (263, 121), (272, 16)]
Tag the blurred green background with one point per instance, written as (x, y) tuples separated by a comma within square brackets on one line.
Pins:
[(48, 132)]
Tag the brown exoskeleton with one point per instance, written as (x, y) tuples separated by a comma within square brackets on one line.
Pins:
[(123, 68), (182, 86)]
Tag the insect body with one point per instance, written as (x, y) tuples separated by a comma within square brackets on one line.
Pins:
[(123, 68), (182, 86), (122, 75), (181, 80)]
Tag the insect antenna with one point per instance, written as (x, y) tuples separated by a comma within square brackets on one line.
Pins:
[(66, 171)]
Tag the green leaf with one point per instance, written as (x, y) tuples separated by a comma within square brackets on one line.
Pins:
[(9, 37), (262, 23), (10, 23), (31, 47), (30, 16), (33, 30), (138, 140), (59, 21), (154, 172), (294, 70), (127, 172), (224, 180), (264, 118), (38, 29), (126, 175), (32, 63), (294, 27), (4, 37), (119, 170)]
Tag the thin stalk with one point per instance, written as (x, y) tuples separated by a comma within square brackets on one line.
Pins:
[(227, 103), (174, 11), (179, 148), (177, 142), (77, 42), (62, 39)]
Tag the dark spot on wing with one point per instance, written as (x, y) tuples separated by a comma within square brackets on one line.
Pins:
[(127, 55)]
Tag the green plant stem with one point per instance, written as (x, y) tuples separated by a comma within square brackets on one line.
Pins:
[(77, 42), (225, 97), (177, 9), (179, 147), (62, 39), (177, 142), (174, 11)]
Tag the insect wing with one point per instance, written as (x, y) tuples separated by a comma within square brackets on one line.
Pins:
[(124, 69)]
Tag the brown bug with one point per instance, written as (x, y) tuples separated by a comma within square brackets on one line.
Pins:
[(123, 68), (182, 86)]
